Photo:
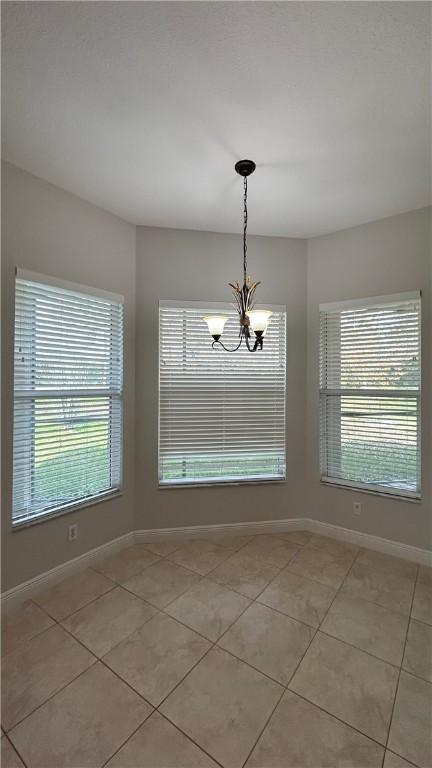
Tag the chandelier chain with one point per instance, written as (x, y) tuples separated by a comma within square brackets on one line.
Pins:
[(245, 222)]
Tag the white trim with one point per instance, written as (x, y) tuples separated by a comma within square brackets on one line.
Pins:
[(363, 392), (374, 488), (369, 541), (222, 529), (216, 305), (25, 591), (66, 285), (32, 394), (371, 301)]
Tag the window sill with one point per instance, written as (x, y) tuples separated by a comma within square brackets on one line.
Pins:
[(43, 517), (222, 484), (372, 492)]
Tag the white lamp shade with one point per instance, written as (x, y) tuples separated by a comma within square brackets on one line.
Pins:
[(259, 319), (215, 324)]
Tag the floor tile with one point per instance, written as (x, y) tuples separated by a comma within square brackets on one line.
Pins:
[(322, 566), (83, 725), (269, 641), (418, 651), (391, 590), (245, 574), (156, 657), (163, 547), (332, 546), (209, 608), (411, 728), (223, 705), (162, 583), (37, 669), (9, 758), (21, 625), (388, 563), (394, 761), (422, 604), (108, 620), (298, 597), (367, 626), (73, 593), (297, 537), (199, 555), (271, 548), (159, 744), (234, 543), (348, 683), (300, 735), (126, 563)]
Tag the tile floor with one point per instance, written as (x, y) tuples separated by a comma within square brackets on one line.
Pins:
[(272, 651)]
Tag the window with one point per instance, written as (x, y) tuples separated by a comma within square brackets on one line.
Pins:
[(67, 396), (221, 415), (370, 394)]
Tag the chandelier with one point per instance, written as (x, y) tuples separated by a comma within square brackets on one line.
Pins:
[(250, 319)]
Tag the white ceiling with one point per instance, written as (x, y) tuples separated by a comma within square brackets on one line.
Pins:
[(143, 108)]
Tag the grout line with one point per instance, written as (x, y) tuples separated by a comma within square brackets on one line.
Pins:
[(83, 671), (190, 738), (4, 736), (110, 757), (248, 664), (339, 719), (357, 648), (248, 597), (93, 600), (264, 727), (402, 660), (126, 637)]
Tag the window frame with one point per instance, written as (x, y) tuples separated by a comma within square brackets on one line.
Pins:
[(115, 491), (364, 487), (207, 307)]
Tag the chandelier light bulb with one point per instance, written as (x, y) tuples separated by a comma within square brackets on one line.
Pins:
[(216, 325), (259, 319)]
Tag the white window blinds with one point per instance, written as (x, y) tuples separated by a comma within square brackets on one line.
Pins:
[(221, 415), (67, 396), (370, 394)]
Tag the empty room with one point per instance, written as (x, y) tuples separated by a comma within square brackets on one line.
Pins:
[(216, 384)]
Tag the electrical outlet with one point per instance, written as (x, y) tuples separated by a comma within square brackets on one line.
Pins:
[(72, 532), (357, 508)]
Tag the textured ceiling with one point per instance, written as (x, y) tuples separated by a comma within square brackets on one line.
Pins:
[(143, 108)]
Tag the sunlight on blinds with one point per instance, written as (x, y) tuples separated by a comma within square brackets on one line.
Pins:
[(67, 398), (370, 395), (221, 415)]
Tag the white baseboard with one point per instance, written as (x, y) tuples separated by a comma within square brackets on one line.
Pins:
[(221, 529), (25, 591), (369, 541), (47, 579)]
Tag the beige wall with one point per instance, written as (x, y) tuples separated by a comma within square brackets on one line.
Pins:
[(387, 256), (185, 265), (50, 231)]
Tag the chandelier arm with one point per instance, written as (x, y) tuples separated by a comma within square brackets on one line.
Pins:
[(257, 345), (226, 348)]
